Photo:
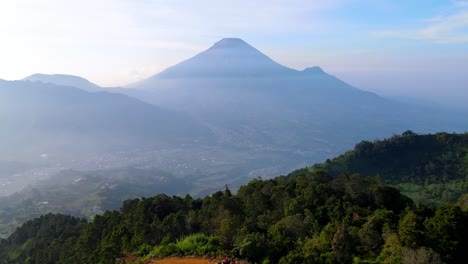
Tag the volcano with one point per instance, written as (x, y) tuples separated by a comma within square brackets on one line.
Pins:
[(228, 58)]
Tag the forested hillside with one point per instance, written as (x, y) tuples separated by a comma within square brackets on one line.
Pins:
[(428, 168), (308, 217), (341, 211)]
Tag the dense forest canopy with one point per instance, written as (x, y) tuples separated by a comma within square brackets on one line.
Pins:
[(319, 214), (307, 217), (408, 157), (431, 169)]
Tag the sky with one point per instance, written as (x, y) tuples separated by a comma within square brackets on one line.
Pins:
[(392, 47)]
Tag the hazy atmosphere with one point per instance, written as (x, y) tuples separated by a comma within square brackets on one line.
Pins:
[(229, 132), (390, 47)]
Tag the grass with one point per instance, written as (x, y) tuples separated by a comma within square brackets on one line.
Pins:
[(433, 194), (193, 245)]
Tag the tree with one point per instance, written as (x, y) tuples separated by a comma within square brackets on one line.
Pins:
[(341, 245), (447, 233), (409, 230)]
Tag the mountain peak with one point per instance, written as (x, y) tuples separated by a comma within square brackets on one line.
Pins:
[(234, 47), (313, 70), (230, 42), (229, 57)]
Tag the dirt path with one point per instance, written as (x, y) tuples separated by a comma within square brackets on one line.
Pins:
[(179, 260), (186, 260)]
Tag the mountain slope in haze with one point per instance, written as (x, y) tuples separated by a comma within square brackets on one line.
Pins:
[(40, 118), (247, 99), (64, 80)]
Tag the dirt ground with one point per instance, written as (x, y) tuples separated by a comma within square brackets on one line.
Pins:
[(186, 260), (176, 260)]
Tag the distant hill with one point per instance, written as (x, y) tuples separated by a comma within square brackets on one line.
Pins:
[(430, 169), (407, 158), (43, 118), (64, 80)]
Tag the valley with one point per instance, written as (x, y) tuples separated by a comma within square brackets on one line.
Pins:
[(165, 132)]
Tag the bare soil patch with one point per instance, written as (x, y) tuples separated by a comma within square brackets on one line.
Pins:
[(184, 260)]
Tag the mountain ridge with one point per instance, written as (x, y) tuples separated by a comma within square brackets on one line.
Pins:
[(64, 80)]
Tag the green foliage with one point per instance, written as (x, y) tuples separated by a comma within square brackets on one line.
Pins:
[(410, 230), (305, 217), (198, 244), (308, 218), (431, 169), (47, 239), (193, 245), (447, 232)]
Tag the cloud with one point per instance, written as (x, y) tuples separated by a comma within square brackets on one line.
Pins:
[(460, 3), (444, 30), (227, 16)]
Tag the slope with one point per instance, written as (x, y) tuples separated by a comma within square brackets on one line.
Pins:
[(43, 118)]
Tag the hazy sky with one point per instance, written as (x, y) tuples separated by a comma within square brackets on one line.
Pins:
[(388, 46)]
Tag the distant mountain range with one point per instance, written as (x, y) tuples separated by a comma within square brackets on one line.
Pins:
[(41, 118)]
